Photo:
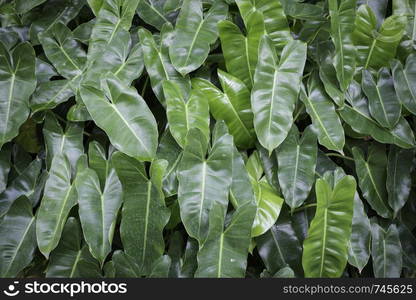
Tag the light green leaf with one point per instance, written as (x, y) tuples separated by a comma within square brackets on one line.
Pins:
[(194, 33), (403, 78), (232, 105), (325, 248), (98, 210), (275, 90), (184, 114), (124, 116)]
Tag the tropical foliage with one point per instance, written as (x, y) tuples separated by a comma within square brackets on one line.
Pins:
[(207, 138)]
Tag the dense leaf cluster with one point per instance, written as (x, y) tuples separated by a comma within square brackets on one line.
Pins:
[(207, 138)]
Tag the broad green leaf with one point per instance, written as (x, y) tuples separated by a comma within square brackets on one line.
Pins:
[(399, 179), (190, 262), (50, 94), (170, 151), (358, 117), (113, 15), (325, 119), (71, 259), (194, 33), (95, 5), (375, 47), (184, 114), (342, 25), (203, 182), (407, 8), (65, 53), (18, 242), (58, 199), (53, 12), (157, 62), (326, 246), (241, 190), (274, 19), (157, 12), (275, 91), (98, 210), (144, 214), (98, 161), (119, 57), (59, 141), (224, 253), (44, 71), (269, 205), (383, 103), (231, 105), (297, 161), (303, 11), (360, 241), (403, 78), (125, 266), (161, 267), (281, 246), (285, 272), (17, 83), (241, 52), (371, 174), (23, 185), (124, 116), (386, 251)]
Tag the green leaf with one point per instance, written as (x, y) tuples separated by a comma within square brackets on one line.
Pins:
[(383, 103), (371, 174), (342, 25), (5, 163), (58, 199), (399, 179), (203, 182), (386, 251), (125, 266), (297, 161), (274, 19), (184, 114), (224, 253), (269, 205), (375, 47), (65, 53), (50, 94), (17, 83), (161, 267), (113, 15), (403, 78), (144, 213), (57, 141), (157, 62), (281, 246), (408, 243), (71, 259), (232, 105), (124, 116), (194, 33), (18, 243), (98, 161), (23, 185), (157, 12), (241, 190), (325, 120), (95, 5), (241, 52), (360, 241), (275, 90), (325, 248), (358, 117), (170, 151), (98, 210)]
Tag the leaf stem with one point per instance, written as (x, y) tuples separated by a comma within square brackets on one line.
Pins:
[(339, 155), (303, 207)]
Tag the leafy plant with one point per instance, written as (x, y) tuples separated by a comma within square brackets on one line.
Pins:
[(191, 138)]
